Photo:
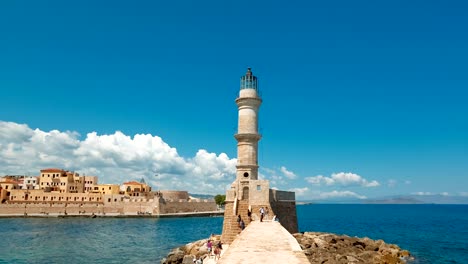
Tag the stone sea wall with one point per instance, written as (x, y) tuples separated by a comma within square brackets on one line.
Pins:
[(323, 248)]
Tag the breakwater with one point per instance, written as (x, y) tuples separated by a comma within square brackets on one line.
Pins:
[(317, 247)]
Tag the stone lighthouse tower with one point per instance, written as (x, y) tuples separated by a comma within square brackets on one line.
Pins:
[(247, 135), (247, 193)]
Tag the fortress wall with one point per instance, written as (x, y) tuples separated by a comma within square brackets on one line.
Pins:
[(169, 207), (175, 195), (277, 195), (133, 206), (283, 204)]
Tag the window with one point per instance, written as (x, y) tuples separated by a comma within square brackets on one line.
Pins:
[(259, 188)]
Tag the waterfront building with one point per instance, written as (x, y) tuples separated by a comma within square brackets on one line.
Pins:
[(61, 192), (104, 189), (134, 188), (88, 182), (29, 183), (247, 193), (6, 185)]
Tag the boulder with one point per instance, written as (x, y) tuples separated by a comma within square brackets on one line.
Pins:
[(318, 247)]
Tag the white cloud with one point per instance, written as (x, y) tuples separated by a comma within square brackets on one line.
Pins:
[(289, 174), (422, 193), (277, 177), (464, 194), (342, 178), (407, 182), (340, 194), (114, 158), (300, 191)]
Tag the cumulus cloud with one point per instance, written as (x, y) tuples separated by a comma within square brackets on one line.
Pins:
[(278, 176), (288, 174), (300, 191), (114, 158), (340, 194), (342, 178)]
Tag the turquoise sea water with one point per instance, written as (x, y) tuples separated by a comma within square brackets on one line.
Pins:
[(433, 233)]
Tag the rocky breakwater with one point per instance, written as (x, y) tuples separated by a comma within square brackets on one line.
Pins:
[(330, 248), (195, 250), (323, 248)]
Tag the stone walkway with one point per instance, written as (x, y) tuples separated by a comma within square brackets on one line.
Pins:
[(264, 242)]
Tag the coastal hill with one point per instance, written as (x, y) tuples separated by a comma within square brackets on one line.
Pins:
[(397, 199)]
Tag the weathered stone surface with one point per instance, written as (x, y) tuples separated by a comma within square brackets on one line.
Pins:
[(321, 248), (183, 254), (331, 248)]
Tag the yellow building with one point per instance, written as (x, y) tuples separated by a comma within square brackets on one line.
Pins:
[(58, 180), (6, 186), (19, 195), (134, 188), (106, 189)]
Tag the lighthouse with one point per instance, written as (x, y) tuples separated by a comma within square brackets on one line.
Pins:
[(248, 193), (247, 135)]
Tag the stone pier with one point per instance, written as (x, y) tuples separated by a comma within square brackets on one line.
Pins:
[(264, 242)]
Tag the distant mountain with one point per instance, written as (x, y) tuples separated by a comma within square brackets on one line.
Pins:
[(398, 199), (394, 200), (441, 199)]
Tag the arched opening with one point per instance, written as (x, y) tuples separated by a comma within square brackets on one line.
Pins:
[(245, 193)]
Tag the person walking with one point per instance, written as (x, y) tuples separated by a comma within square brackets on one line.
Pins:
[(262, 214), (209, 246), (217, 251)]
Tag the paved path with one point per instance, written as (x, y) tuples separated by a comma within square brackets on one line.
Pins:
[(264, 242)]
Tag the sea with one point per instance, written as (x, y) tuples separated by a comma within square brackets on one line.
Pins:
[(432, 233)]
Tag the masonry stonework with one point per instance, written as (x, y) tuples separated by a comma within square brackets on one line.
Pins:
[(247, 193)]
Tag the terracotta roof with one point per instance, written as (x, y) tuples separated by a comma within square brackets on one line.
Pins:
[(10, 181), (52, 170), (132, 183)]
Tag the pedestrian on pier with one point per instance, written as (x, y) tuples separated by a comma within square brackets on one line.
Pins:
[(209, 246), (242, 224)]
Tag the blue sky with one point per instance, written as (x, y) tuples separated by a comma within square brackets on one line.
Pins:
[(354, 92)]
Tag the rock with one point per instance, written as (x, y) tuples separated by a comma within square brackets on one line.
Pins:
[(331, 248), (175, 256), (324, 248), (188, 259)]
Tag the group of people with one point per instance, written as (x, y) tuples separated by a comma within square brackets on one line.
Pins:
[(214, 249), (263, 214)]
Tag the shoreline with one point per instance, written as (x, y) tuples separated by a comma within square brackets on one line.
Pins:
[(115, 215)]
